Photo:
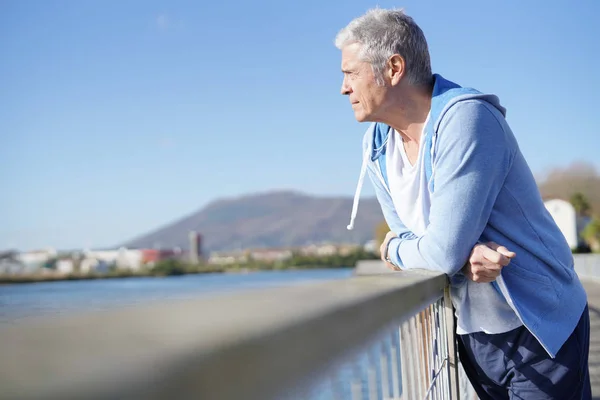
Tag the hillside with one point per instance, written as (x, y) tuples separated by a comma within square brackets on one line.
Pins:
[(274, 219), (577, 177)]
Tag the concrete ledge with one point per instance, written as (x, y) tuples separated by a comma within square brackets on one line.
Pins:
[(372, 267), (587, 265), (250, 345)]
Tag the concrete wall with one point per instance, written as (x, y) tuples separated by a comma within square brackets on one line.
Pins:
[(565, 217), (587, 265), (371, 267)]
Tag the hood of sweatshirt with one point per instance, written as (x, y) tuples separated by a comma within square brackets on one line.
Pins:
[(444, 96)]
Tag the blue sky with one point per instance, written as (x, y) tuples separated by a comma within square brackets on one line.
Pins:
[(119, 117)]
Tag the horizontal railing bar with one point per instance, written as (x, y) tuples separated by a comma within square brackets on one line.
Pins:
[(253, 344)]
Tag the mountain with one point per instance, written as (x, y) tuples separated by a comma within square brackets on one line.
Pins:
[(274, 219)]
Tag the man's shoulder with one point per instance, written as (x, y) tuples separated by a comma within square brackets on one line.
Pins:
[(465, 103), (469, 110)]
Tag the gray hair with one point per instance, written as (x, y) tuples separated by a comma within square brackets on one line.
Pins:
[(383, 33)]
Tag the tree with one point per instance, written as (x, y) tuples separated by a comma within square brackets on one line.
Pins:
[(591, 234), (562, 182), (169, 267), (50, 263), (380, 231), (581, 204)]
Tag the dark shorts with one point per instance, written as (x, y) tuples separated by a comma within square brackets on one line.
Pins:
[(513, 365)]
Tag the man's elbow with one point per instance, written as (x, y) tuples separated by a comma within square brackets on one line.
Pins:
[(448, 262), (448, 259), (454, 269), (449, 269)]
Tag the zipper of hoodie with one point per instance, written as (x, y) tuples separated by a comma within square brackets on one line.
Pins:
[(506, 293)]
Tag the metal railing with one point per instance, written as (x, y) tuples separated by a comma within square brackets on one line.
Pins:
[(413, 360), (370, 337), (428, 347)]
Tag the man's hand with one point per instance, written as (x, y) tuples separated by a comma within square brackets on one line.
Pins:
[(486, 262), (383, 250)]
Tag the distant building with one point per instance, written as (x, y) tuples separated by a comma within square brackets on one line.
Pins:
[(223, 258), (195, 251), (347, 249), (244, 256), (37, 259), (98, 260), (9, 263), (271, 255), (371, 246), (152, 256), (102, 260), (319, 250), (565, 217), (65, 266)]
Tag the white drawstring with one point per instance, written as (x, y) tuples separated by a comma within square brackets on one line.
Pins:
[(361, 178)]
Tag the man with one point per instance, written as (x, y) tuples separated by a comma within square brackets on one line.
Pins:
[(449, 175)]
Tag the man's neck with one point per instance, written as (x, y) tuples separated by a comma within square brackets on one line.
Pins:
[(411, 118)]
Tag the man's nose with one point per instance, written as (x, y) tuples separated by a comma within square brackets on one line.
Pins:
[(345, 88)]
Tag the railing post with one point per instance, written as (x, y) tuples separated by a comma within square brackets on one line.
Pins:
[(452, 351), (406, 360)]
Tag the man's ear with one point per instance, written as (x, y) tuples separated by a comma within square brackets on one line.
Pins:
[(395, 69)]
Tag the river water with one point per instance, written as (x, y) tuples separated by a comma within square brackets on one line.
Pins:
[(19, 301)]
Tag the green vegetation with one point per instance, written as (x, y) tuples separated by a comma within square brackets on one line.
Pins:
[(297, 261), (68, 277), (591, 234), (380, 231), (580, 204), (333, 261)]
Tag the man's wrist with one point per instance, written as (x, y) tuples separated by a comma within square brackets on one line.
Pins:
[(388, 254)]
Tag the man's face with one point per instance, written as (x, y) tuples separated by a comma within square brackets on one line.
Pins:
[(366, 96)]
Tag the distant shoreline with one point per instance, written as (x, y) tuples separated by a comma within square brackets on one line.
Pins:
[(40, 278), (172, 267)]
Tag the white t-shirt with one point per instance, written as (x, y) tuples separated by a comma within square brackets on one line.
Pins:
[(479, 307)]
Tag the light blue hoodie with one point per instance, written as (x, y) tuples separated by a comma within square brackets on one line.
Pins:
[(482, 190)]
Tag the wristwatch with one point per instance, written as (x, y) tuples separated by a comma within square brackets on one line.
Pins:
[(386, 255)]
